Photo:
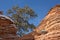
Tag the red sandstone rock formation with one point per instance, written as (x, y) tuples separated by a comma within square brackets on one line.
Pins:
[(51, 25), (7, 29)]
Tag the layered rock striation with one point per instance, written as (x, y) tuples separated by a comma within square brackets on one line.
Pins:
[(7, 29), (51, 25)]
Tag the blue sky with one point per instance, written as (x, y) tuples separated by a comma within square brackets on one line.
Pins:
[(41, 7)]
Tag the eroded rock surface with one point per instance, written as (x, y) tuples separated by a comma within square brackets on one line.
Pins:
[(51, 24), (7, 29)]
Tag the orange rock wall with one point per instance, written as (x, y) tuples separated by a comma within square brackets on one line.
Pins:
[(51, 24)]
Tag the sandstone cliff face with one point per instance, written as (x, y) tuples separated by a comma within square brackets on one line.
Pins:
[(51, 25), (7, 29)]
